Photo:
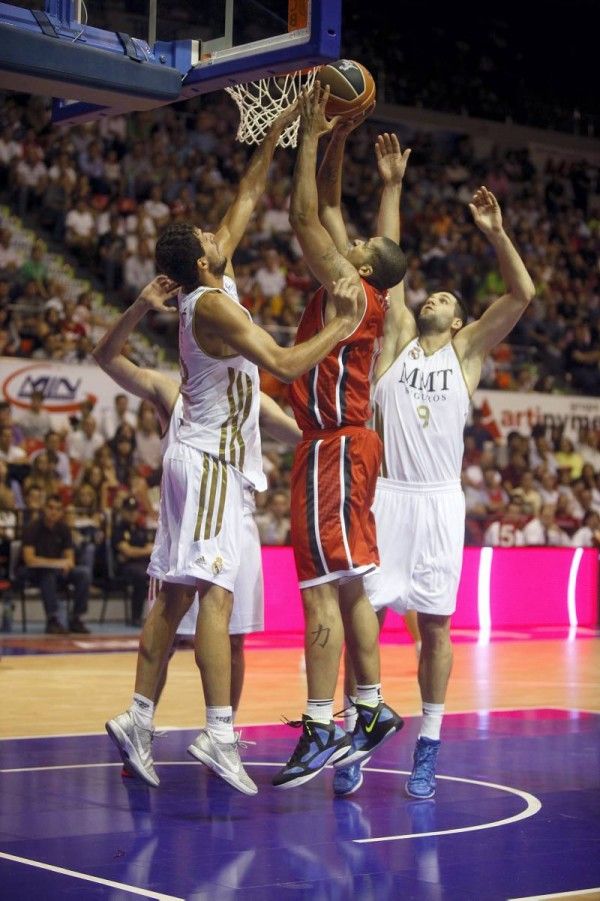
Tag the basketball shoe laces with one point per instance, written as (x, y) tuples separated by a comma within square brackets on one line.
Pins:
[(306, 738)]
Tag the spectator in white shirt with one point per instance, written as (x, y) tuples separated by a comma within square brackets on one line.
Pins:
[(59, 460), (276, 220), (80, 226), (270, 278), (10, 452), (589, 447), (139, 269), (274, 522), (508, 530), (35, 422), (148, 444), (112, 419), (10, 258), (83, 444), (543, 530), (156, 208), (31, 176), (547, 488), (589, 533)]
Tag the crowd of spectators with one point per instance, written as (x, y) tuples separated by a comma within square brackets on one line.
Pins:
[(82, 499), (542, 489), (119, 181)]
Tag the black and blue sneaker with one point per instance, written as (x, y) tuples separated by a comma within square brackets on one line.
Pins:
[(374, 726), (421, 782), (320, 744)]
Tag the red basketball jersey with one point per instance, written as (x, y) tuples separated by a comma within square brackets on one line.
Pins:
[(337, 392)]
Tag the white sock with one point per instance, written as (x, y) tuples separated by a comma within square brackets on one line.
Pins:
[(350, 714), (320, 711), (219, 722), (142, 711), (431, 724), (369, 695)]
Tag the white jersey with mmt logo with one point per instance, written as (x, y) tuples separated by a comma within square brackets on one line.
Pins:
[(221, 397), (420, 410)]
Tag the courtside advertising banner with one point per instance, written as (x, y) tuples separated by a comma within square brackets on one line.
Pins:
[(64, 387), (513, 411)]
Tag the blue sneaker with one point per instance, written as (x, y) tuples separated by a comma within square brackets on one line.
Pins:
[(374, 726), (421, 782), (319, 744), (347, 779)]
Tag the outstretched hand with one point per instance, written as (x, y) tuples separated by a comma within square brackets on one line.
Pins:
[(157, 294), (391, 160), (486, 211), (313, 120), (346, 292)]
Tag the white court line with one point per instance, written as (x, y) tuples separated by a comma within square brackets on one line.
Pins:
[(132, 889), (583, 891), (534, 805)]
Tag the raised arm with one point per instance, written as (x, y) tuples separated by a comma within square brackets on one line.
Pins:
[(480, 337), (324, 259), (400, 326), (108, 353), (252, 186), (329, 180), (391, 164), (221, 316)]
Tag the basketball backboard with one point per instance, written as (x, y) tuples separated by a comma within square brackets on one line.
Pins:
[(118, 57)]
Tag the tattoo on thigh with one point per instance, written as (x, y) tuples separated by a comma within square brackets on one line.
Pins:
[(321, 636)]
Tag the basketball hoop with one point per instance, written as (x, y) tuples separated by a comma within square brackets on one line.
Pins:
[(260, 102)]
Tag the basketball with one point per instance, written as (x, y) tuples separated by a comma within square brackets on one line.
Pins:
[(352, 87)]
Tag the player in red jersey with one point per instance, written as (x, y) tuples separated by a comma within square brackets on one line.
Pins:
[(337, 461)]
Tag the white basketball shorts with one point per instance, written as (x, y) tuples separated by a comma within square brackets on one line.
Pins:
[(420, 535), (200, 527), (248, 595)]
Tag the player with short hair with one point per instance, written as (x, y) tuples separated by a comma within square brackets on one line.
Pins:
[(334, 475), (164, 392), (428, 370), (217, 453)]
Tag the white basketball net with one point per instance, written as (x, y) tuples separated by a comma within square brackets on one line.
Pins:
[(260, 102)]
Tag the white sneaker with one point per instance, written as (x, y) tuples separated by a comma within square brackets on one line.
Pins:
[(135, 746), (224, 759)]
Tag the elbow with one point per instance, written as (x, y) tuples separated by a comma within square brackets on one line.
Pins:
[(528, 294), (99, 356), (281, 366)]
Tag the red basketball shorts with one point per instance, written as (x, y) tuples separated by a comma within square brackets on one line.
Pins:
[(333, 487)]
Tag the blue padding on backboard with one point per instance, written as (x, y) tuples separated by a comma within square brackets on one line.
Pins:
[(97, 74)]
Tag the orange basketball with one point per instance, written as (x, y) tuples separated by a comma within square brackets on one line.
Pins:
[(352, 87)]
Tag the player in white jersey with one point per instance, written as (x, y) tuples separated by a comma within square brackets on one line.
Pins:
[(164, 393), (428, 370), (216, 454)]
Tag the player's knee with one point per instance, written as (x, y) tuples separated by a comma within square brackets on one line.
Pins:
[(435, 631)]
